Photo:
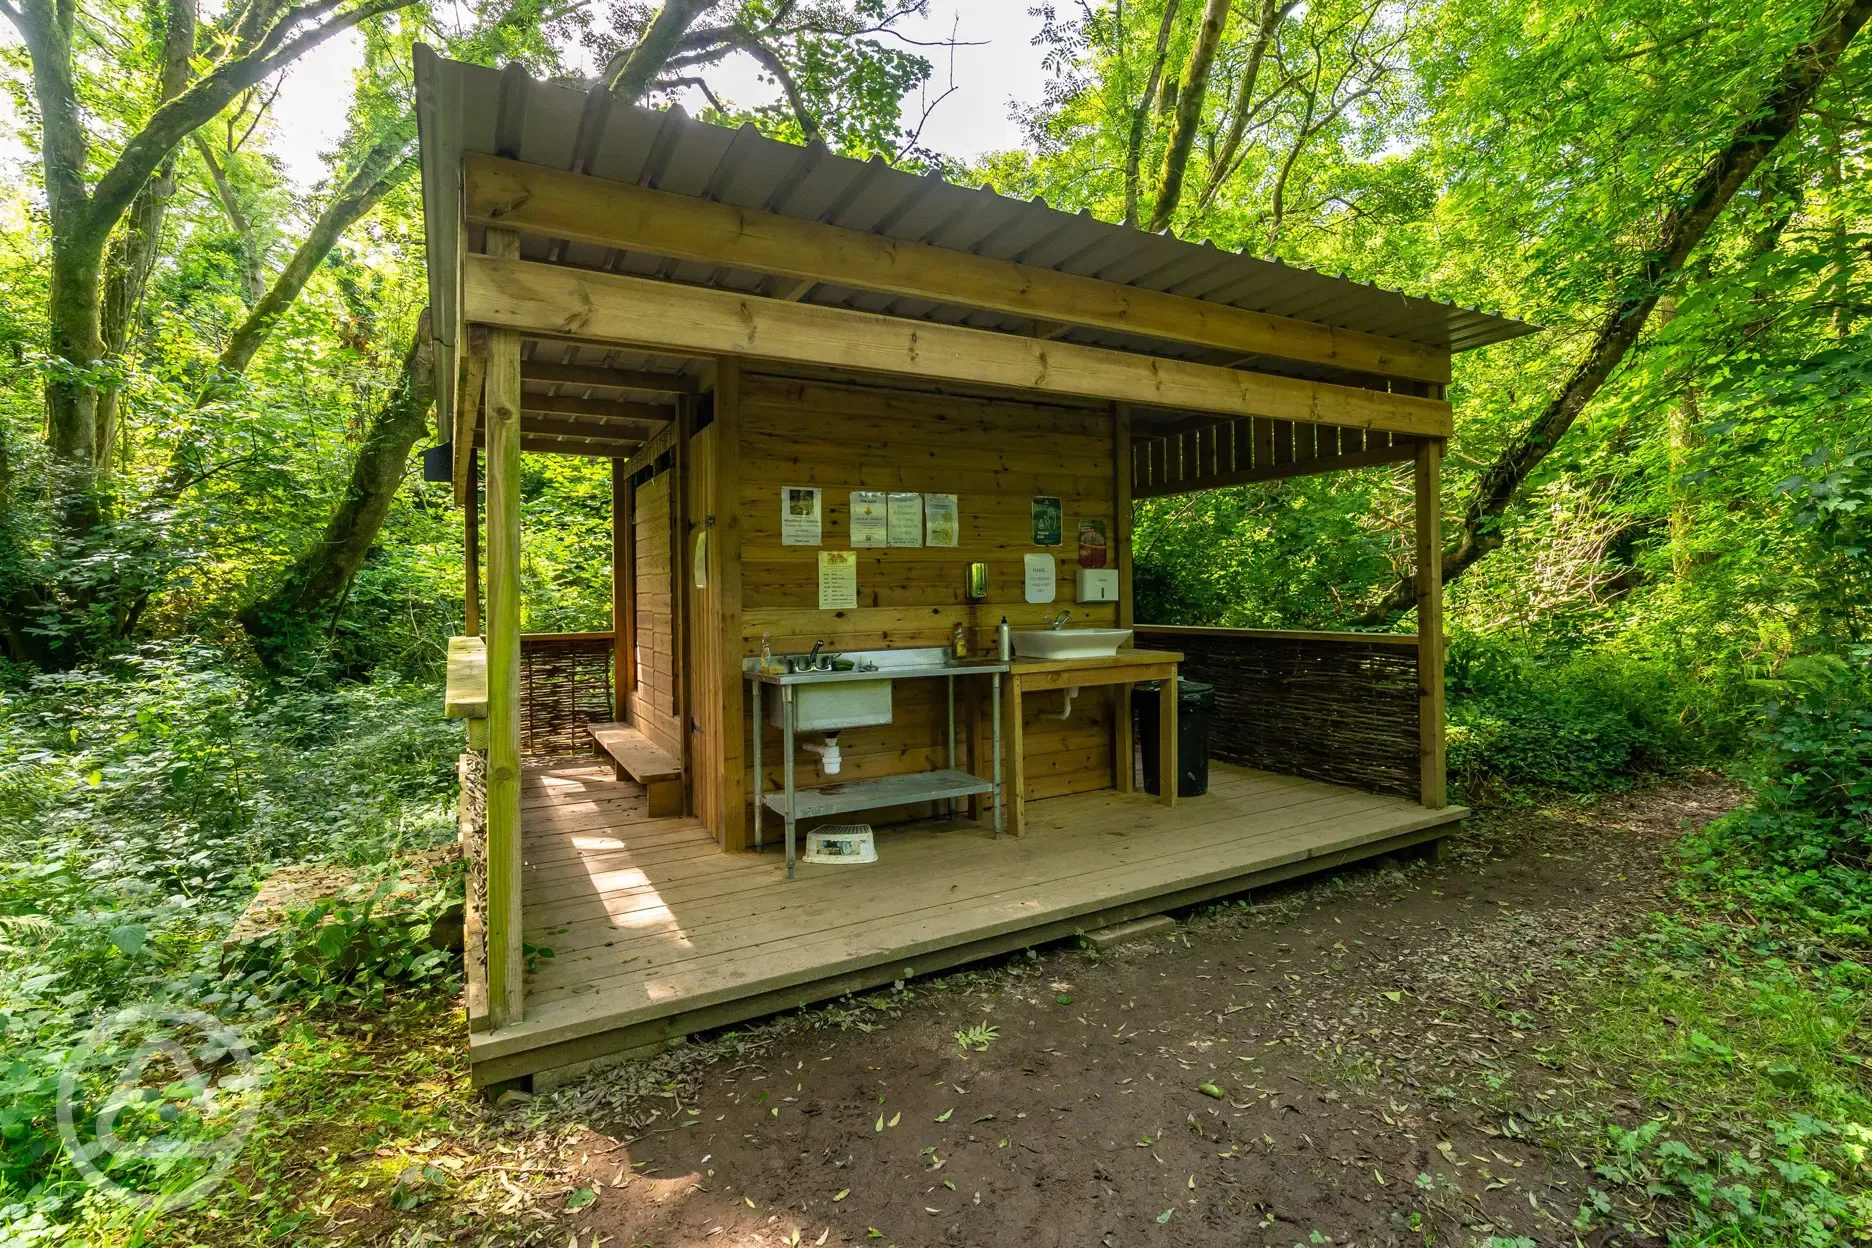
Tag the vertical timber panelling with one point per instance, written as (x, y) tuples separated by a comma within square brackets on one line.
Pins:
[(1429, 507), (995, 455), (653, 695), (705, 730)]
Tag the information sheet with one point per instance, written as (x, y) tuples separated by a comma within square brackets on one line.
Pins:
[(941, 521), (868, 525), (799, 515), (906, 519), (1041, 578), (838, 580)]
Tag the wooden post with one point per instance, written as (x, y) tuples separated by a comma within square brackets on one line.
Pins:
[(1429, 508), (471, 552), (679, 583), (1123, 743), (725, 576), (623, 591), (506, 982), (1014, 778)]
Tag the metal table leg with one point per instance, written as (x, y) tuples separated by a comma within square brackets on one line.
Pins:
[(950, 681), (760, 782), (786, 745), (994, 713)]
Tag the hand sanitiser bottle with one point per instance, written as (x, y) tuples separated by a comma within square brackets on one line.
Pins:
[(1004, 641), (958, 643)]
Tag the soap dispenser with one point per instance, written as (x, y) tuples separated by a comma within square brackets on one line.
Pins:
[(1004, 641), (958, 642)]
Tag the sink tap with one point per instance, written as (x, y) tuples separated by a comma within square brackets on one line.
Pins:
[(1059, 621), (812, 657)]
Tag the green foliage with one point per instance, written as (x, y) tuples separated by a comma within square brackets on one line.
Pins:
[(1588, 722), (140, 803)]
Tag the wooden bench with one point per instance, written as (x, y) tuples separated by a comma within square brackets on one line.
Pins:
[(635, 755)]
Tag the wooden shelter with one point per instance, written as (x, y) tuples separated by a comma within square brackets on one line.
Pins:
[(751, 331)]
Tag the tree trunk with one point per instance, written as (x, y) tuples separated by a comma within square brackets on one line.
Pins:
[(630, 73), (1273, 13), (1755, 137), (1134, 142), (1189, 107), (313, 589), (380, 170)]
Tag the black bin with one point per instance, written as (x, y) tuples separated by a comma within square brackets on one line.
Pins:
[(1195, 708)]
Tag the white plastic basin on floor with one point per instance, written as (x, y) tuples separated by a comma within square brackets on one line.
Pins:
[(1070, 643)]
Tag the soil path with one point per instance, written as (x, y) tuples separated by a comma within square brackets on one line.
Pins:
[(1376, 1040)]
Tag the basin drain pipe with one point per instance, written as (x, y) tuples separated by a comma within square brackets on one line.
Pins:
[(1065, 710), (828, 753)]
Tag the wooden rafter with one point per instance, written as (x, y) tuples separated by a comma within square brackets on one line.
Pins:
[(549, 300), (615, 378), (556, 204)]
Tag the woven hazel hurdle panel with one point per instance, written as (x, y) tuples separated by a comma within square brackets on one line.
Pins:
[(1325, 708), (565, 683), (471, 822)]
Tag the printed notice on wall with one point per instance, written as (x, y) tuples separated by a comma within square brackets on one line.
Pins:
[(1040, 578), (941, 521), (1046, 522), (838, 580), (868, 527), (799, 515), (906, 519), (1094, 549)]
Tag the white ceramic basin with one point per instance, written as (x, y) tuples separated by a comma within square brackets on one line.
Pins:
[(1070, 643), (835, 705)]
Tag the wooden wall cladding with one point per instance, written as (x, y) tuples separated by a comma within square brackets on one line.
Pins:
[(1330, 708), (653, 699), (995, 455)]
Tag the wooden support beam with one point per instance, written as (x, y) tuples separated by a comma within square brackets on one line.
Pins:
[(545, 299), (725, 576), (1429, 507), (467, 410), (549, 202), (590, 448), (506, 967), (471, 550), (623, 591), (647, 416), (534, 424), (614, 378)]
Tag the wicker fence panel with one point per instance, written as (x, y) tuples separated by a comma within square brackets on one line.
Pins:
[(471, 822), (1328, 708), (565, 683)]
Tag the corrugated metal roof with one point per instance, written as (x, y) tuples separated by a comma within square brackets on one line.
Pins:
[(471, 108)]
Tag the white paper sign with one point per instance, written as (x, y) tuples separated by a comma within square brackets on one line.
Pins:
[(868, 527), (799, 515), (1041, 580), (906, 519), (838, 580), (940, 519)]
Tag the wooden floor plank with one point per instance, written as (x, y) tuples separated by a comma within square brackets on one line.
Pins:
[(649, 919)]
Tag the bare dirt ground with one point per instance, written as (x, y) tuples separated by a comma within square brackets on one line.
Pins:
[(1378, 1043)]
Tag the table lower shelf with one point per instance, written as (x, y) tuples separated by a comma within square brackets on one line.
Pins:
[(834, 799)]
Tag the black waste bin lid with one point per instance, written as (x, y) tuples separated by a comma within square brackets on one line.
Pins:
[(1198, 691)]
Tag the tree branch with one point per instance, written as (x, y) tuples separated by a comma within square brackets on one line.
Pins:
[(1189, 106), (630, 72), (1134, 142), (1758, 132), (771, 62), (174, 121)]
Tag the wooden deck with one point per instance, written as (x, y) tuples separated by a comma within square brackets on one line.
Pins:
[(656, 933)]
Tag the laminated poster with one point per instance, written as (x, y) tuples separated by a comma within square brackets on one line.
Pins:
[(1040, 577), (868, 527), (941, 520), (1094, 550), (838, 580), (799, 515), (906, 519), (1046, 522)]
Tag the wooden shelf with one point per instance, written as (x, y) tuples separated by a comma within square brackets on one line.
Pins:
[(836, 799)]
